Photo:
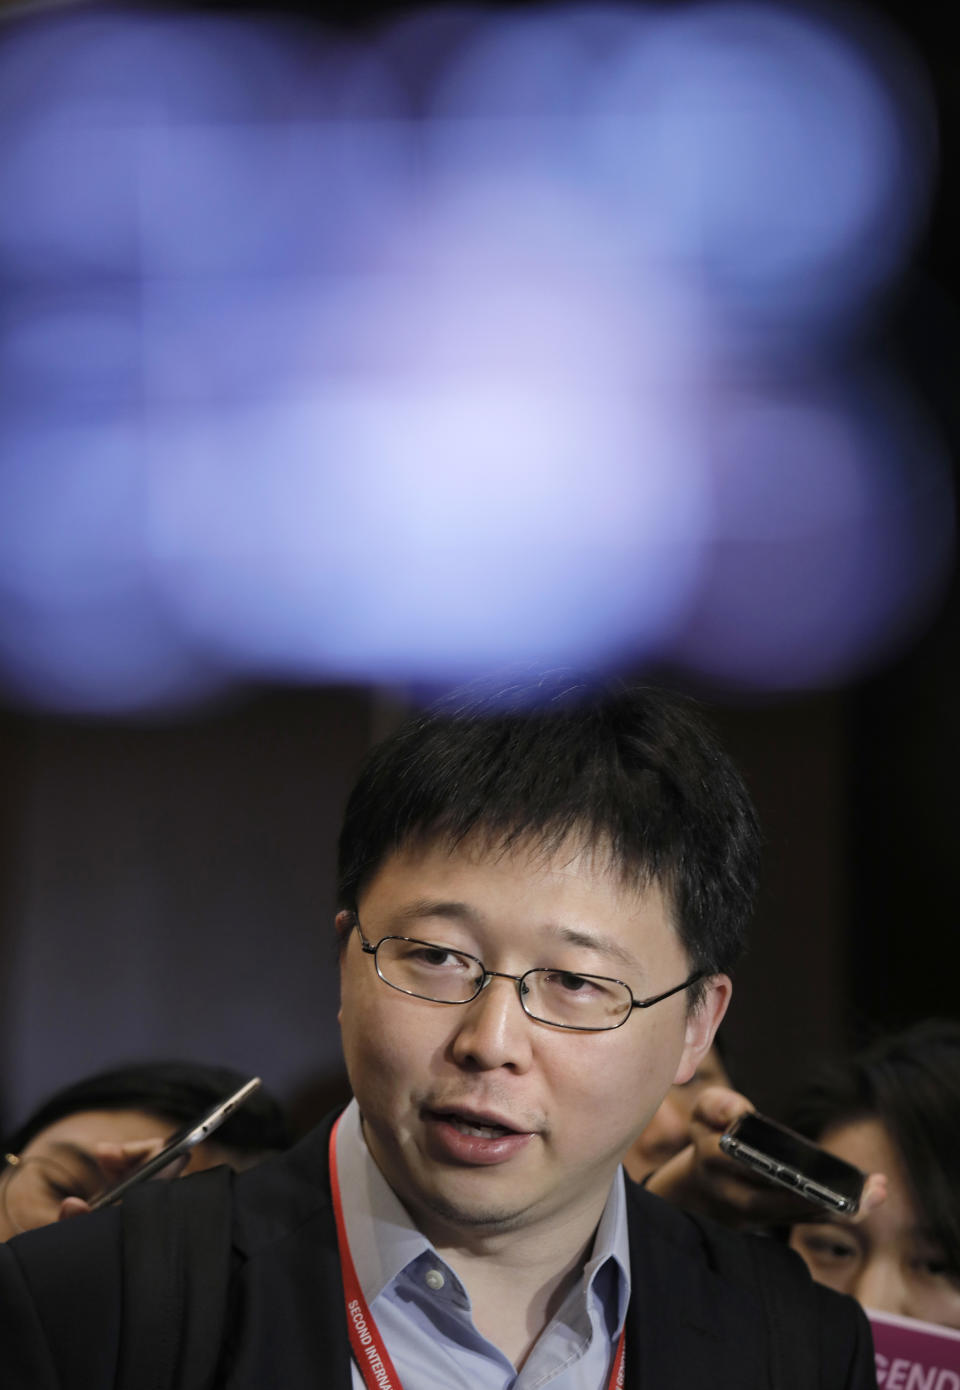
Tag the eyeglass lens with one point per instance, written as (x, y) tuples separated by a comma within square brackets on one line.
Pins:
[(552, 996)]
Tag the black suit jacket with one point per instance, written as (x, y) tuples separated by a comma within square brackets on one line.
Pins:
[(708, 1309)]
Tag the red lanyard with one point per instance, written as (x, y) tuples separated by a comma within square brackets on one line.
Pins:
[(370, 1354)]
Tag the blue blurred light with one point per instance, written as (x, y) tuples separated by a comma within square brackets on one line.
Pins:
[(766, 149), (69, 196), (459, 345), (79, 351), (833, 534), (459, 504), (80, 624)]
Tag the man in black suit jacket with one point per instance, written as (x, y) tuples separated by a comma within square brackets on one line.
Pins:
[(262, 1306), (539, 909)]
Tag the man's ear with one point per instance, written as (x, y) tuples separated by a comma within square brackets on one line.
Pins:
[(343, 923), (702, 1023)]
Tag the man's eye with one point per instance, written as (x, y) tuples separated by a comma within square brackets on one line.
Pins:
[(575, 983), (564, 980), (437, 957), (568, 983)]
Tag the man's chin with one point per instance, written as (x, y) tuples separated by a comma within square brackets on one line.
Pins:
[(441, 1209), (490, 1218)]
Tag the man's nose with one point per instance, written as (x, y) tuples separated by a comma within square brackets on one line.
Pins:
[(493, 1030), (880, 1284)]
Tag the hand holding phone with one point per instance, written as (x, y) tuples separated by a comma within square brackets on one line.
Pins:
[(124, 1158), (704, 1177), (178, 1146)]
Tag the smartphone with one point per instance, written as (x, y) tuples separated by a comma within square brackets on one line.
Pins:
[(782, 1156), (180, 1143)]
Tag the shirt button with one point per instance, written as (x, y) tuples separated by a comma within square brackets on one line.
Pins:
[(434, 1279)]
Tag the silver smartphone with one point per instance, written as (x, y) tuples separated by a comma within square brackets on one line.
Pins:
[(786, 1158), (180, 1143)]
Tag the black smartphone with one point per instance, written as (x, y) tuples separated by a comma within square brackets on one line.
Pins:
[(783, 1157), (180, 1143)]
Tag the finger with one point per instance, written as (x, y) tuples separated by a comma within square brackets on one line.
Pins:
[(132, 1150), (117, 1160), (874, 1194), (717, 1107), (116, 1166), (72, 1206)]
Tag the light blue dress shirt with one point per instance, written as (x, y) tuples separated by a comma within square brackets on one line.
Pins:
[(424, 1313)]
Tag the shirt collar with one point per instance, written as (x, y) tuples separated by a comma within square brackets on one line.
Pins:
[(384, 1241), (612, 1244)]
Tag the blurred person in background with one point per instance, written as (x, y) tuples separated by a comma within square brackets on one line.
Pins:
[(892, 1110), (95, 1131), (895, 1106), (668, 1133)]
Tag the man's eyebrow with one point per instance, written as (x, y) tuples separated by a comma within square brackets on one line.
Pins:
[(594, 941), (456, 911), (452, 909)]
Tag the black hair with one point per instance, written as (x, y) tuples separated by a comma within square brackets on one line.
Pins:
[(910, 1083), (174, 1091), (633, 770)]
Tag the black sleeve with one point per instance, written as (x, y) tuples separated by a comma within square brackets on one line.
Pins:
[(60, 1306), (25, 1362)]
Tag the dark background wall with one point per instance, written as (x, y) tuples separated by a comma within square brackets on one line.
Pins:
[(167, 890)]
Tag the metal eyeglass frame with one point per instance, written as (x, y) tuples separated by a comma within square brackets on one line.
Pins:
[(487, 975)]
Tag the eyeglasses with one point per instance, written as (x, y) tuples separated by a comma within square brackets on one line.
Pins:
[(561, 998), (32, 1190)]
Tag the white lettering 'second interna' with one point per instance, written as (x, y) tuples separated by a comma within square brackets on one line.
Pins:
[(379, 1369), (356, 1313)]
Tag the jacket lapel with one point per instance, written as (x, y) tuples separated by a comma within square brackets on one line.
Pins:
[(289, 1325), (687, 1325)]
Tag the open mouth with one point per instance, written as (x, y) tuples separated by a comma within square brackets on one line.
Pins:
[(479, 1129), (472, 1139)]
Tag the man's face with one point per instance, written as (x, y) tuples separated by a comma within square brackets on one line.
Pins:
[(479, 1117)]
